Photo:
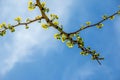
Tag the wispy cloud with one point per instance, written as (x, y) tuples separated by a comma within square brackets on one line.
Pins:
[(82, 72), (23, 41), (117, 31), (85, 73), (117, 28)]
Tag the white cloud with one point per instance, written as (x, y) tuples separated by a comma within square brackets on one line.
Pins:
[(84, 73), (73, 72), (117, 29), (22, 42), (88, 71)]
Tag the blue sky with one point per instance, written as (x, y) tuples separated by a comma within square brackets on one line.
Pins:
[(34, 54)]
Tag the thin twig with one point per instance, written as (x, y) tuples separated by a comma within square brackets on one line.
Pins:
[(89, 26)]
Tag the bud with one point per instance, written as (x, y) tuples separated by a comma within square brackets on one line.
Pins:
[(112, 17), (99, 26), (18, 19), (57, 36), (69, 44), (88, 23), (45, 26), (31, 6)]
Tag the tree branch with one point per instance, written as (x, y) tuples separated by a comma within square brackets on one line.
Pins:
[(101, 21), (23, 23), (71, 39), (67, 34)]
